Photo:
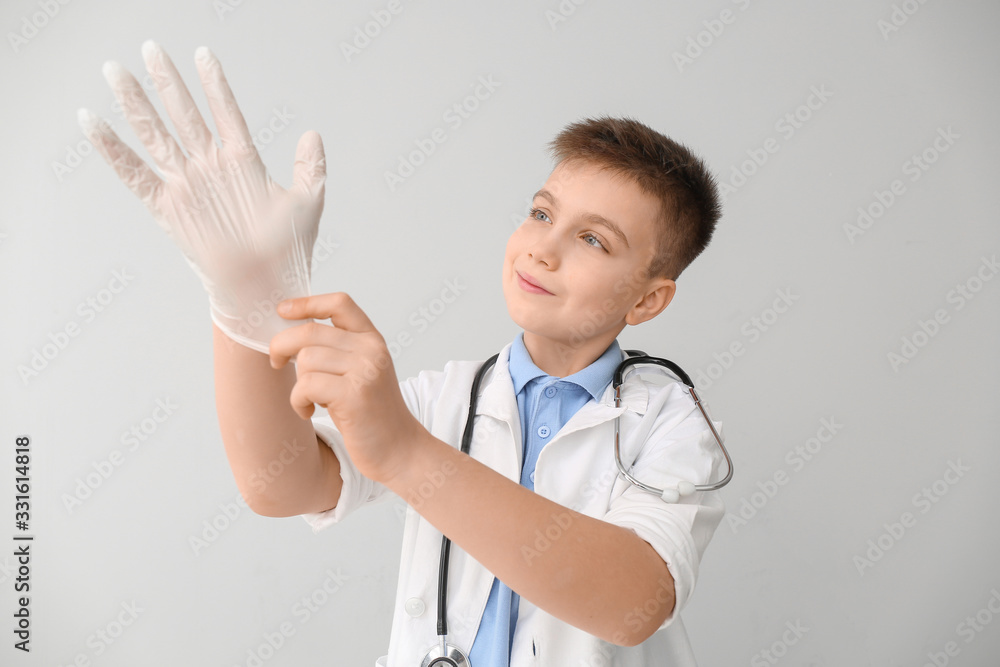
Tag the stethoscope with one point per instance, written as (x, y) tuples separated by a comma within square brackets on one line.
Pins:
[(444, 654)]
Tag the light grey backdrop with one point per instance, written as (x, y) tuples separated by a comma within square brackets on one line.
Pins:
[(861, 408)]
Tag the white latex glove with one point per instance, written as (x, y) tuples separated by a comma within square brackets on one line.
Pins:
[(248, 239)]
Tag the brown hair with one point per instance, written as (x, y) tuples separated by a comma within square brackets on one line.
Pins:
[(661, 167)]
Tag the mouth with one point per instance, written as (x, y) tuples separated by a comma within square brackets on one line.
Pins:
[(529, 284)]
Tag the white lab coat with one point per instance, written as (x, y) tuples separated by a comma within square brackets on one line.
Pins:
[(664, 438)]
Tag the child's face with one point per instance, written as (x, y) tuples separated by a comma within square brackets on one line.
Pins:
[(593, 277)]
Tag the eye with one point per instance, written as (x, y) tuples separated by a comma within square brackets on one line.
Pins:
[(597, 240), (535, 212)]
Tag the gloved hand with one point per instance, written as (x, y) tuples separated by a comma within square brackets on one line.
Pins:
[(248, 239)]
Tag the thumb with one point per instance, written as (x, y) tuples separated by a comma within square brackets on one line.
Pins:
[(309, 174)]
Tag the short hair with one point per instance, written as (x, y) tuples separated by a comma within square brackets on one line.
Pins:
[(670, 172)]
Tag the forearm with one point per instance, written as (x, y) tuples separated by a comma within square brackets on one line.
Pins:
[(280, 466), (591, 574)]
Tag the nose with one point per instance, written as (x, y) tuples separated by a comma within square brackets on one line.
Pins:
[(546, 247)]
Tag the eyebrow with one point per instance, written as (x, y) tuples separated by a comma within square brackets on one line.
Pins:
[(590, 217)]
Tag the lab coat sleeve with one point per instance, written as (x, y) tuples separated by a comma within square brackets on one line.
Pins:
[(358, 489), (676, 445)]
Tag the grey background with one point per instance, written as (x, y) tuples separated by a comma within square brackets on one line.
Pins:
[(794, 561)]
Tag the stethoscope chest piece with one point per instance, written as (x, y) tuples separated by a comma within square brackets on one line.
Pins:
[(451, 657)]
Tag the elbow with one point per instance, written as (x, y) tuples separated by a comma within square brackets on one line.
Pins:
[(275, 504), (259, 505), (268, 511), (647, 615), (265, 505)]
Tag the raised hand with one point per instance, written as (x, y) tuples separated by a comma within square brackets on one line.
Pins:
[(247, 238)]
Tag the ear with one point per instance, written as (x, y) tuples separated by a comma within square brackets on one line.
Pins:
[(659, 294)]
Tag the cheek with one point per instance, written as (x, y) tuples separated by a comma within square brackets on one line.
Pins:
[(516, 247), (599, 289)]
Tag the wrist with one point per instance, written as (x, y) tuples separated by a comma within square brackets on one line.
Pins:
[(417, 454)]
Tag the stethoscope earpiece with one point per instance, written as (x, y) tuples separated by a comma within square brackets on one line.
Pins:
[(684, 489)]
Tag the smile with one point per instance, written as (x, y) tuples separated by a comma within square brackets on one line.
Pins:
[(530, 286)]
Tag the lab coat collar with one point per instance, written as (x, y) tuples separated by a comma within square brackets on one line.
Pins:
[(592, 379), (499, 401)]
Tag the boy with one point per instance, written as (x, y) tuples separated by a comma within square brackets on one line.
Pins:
[(557, 560)]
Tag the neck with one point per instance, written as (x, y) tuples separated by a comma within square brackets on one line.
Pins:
[(560, 358)]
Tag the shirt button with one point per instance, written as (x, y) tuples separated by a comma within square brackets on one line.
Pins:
[(543, 431), (414, 607), (532, 476), (550, 391)]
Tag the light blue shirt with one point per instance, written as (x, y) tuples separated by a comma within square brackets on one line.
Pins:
[(545, 403)]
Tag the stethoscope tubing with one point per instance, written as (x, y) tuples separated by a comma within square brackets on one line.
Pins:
[(639, 357), (442, 621)]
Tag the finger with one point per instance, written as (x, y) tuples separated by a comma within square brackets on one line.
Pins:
[(309, 173), (131, 168), (312, 389), (299, 399), (176, 97), (337, 306), (296, 340), (325, 358), (228, 118), (142, 116)]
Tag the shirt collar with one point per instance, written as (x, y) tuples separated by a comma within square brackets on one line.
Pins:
[(594, 378)]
